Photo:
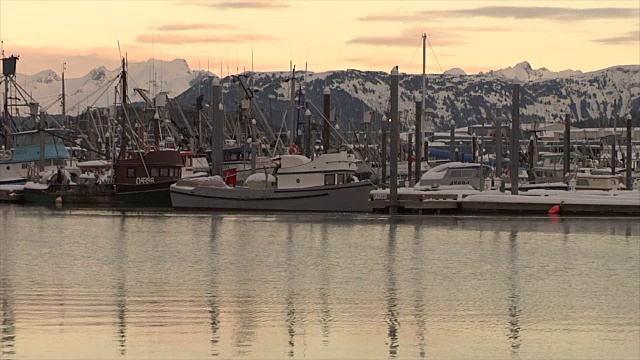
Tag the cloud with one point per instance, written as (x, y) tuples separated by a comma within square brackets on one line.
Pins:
[(409, 38), (183, 26), (239, 5), (549, 13), (631, 37), (179, 39), (514, 12), (394, 17)]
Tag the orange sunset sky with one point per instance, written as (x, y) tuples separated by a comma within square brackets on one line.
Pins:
[(328, 35)]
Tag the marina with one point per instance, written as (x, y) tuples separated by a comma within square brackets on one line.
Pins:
[(278, 179), (152, 154)]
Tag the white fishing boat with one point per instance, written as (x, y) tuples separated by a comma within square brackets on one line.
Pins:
[(326, 184)]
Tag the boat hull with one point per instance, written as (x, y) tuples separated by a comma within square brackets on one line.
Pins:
[(353, 197), (156, 195)]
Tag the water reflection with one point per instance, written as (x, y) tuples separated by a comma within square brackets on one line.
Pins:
[(324, 288), (212, 293), (237, 286), (291, 311), (245, 297), (8, 325), (121, 285), (392, 293), (514, 297), (418, 292)]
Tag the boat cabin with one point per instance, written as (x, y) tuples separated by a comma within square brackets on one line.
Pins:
[(149, 168), (297, 171), (453, 174)]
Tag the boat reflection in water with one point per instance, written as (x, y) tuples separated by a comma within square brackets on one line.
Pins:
[(193, 286)]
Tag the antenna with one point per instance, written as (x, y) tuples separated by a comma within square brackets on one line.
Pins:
[(237, 68), (153, 68), (119, 51)]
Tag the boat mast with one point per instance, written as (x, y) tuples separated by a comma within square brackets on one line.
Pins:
[(123, 79), (62, 99), (424, 73)]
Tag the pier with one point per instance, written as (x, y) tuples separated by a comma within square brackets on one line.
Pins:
[(459, 201)]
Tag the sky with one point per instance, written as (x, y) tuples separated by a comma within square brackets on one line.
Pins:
[(321, 35)]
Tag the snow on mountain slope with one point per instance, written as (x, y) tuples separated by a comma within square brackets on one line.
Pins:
[(524, 72), (545, 95), (173, 76)]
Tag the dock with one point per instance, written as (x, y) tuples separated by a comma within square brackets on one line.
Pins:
[(462, 201)]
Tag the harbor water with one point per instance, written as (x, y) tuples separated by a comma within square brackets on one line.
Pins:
[(107, 284)]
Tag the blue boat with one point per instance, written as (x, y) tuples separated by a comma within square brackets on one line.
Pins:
[(17, 164)]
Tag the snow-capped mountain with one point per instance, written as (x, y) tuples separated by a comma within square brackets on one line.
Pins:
[(524, 72), (467, 99), (93, 90)]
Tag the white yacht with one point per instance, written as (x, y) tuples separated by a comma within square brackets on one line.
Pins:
[(453, 174)]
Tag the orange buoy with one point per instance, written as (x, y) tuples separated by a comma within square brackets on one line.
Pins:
[(554, 210)]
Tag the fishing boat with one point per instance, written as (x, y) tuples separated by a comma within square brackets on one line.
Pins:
[(139, 179), (24, 159), (326, 184)]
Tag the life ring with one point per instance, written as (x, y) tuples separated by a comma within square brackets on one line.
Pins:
[(294, 149), (7, 155)]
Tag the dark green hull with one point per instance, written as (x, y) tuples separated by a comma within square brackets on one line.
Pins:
[(154, 198)]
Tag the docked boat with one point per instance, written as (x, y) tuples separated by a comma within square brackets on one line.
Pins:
[(24, 159), (453, 174), (326, 184), (597, 179), (140, 179)]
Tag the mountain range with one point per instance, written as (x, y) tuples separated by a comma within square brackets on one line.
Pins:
[(545, 95)]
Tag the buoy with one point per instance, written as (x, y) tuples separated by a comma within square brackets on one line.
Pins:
[(554, 210), (59, 200)]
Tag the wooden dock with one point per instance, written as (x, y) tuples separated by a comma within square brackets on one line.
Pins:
[(622, 203)]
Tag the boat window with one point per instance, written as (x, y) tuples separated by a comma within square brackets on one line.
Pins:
[(330, 179), (172, 172), (25, 165), (131, 172), (155, 172), (468, 173), (340, 178), (455, 173), (582, 182), (164, 172), (178, 173)]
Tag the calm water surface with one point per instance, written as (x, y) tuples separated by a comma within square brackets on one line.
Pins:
[(128, 285)]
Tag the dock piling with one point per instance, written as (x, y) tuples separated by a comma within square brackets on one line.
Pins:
[(395, 122)]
